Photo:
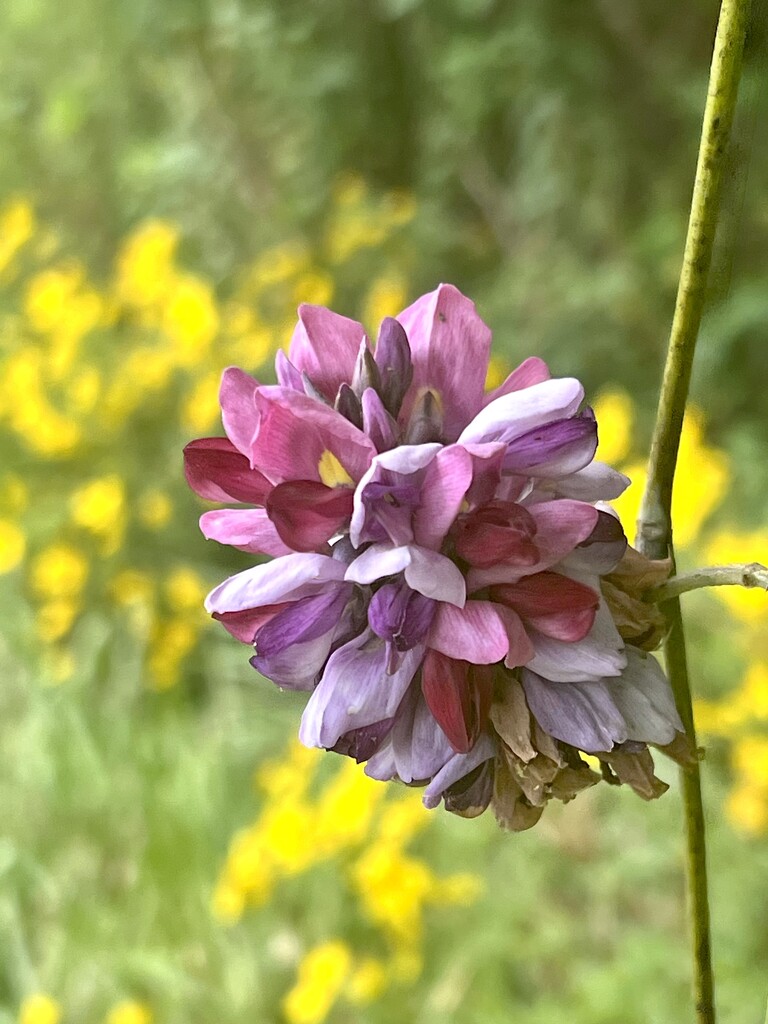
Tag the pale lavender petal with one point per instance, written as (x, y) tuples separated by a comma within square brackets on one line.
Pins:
[(644, 697), (582, 714), (377, 561), (455, 769), (531, 371), (237, 397), (325, 347), (283, 579), (476, 633), (446, 481), (419, 745), (512, 415), (595, 482), (435, 576), (450, 347), (248, 529), (377, 423), (601, 552), (554, 449), (355, 690), (296, 667), (598, 655)]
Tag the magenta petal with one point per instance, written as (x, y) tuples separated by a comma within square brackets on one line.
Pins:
[(446, 481), (283, 579), (237, 397), (450, 348), (303, 620), (295, 431), (521, 648), (531, 371), (458, 695), (244, 625), (582, 714), (306, 514), (217, 471), (287, 374), (475, 633), (325, 346), (355, 690), (248, 529)]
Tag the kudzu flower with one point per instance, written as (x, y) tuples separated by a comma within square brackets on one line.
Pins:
[(447, 583)]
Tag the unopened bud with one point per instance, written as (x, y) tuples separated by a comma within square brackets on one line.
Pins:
[(426, 422), (393, 358)]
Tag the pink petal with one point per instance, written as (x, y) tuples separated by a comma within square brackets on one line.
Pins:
[(450, 348), (531, 371), (325, 346), (237, 397), (435, 576), (446, 482), (244, 625), (294, 433), (248, 529), (521, 648), (475, 633)]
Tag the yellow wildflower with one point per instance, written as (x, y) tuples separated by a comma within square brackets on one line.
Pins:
[(718, 718), (60, 665), (350, 190), (154, 509), (278, 264), (401, 207), (130, 586), (731, 545), (702, 479), (55, 619), (17, 225), (615, 420), (753, 695), (345, 809), (367, 982), (227, 903), (59, 571), (129, 1012), (83, 391), (185, 589), (321, 977), (750, 759), (387, 296), (49, 296), (98, 506), (459, 889), (284, 830), (172, 642), (13, 544), (313, 286), (747, 809), (14, 494), (249, 868), (191, 318), (289, 776), (145, 263), (393, 889), (200, 410), (39, 1009)]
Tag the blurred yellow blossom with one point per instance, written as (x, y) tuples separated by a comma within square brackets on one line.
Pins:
[(278, 264), (129, 1012), (17, 225), (55, 619), (60, 665), (39, 1009), (615, 421), (131, 585), (750, 759), (313, 286), (201, 411), (387, 296), (321, 977), (367, 982), (13, 544), (393, 889), (154, 509), (702, 480), (191, 318), (59, 571), (49, 295), (185, 589), (145, 263), (734, 545), (172, 641), (747, 809), (350, 189), (98, 506), (14, 494)]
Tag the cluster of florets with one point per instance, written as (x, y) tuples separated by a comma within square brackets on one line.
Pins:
[(447, 584)]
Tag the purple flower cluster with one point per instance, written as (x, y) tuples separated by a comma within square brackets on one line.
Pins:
[(447, 584)]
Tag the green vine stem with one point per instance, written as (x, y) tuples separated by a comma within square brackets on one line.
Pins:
[(654, 537), (751, 574)]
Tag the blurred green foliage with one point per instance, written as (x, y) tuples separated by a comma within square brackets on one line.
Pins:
[(192, 171)]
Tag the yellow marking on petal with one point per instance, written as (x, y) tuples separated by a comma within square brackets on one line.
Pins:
[(331, 471)]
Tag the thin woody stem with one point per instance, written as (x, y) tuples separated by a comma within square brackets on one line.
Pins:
[(654, 536), (748, 575)]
